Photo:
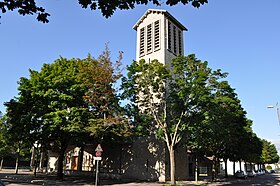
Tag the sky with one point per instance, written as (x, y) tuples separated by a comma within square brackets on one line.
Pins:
[(239, 37)]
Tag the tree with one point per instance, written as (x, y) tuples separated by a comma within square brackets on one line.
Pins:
[(269, 153), (65, 102), (173, 96), (19, 127), (250, 144), (50, 108), (4, 145), (107, 7), (216, 132), (107, 118)]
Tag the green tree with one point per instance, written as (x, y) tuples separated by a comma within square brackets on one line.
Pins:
[(107, 7), (67, 101), (172, 96), (19, 127), (217, 131), (4, 146), (269, 153), (50, 107), (250, 144)]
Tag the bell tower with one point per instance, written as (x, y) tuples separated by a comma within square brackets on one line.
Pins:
[(159, 36)]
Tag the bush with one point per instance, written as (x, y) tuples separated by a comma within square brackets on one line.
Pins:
[(268, 167)]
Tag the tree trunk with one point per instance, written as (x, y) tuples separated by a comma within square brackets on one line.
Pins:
[(226, 173), (172, 165), (213, 169), (120, 160), (60, 161), (35, 160), (216, 167), (80, 159), (240, 165), (1, 164), (42, 158), (196, 170), (16, 169), (233, 167), (35, 165), (32, 158)]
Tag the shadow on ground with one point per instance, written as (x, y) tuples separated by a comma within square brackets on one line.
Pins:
[(26, 177)]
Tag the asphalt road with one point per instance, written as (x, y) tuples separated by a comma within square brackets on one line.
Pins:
[(25, 179), (263, 180)]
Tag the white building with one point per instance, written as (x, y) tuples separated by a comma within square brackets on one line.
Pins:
[(159, 36)]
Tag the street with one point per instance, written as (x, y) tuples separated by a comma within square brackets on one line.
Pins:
[(263, 180), (25, 178)]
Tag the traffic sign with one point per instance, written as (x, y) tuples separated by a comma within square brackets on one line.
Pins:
[(97, 158), (98, 153), (98, 148)]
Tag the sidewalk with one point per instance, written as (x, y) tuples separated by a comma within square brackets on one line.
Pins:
[(26, 177)]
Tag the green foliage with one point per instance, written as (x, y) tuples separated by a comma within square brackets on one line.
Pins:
[(269, 153), (66, 102), (28, 7), (188, 100), (222, 130), (173, 96), (5, 148), (50, 109), (107, 8)]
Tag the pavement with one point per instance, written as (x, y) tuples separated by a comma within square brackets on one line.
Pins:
[(26, 177)]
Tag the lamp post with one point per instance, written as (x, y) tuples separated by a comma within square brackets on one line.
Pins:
[(277, 110)]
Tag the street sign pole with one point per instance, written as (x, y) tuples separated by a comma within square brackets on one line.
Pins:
[(98, 155), (96, 175)]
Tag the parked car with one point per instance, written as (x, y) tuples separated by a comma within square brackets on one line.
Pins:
[(251, 173), (269, 171), (260, 172), (241, 174)]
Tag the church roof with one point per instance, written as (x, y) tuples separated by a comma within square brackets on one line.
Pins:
[(167, 14)]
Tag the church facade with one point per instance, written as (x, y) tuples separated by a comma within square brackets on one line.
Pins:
[(159, 36)]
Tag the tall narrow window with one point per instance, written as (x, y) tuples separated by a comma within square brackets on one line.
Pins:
[(175, 40), (156, 35), (180, 42), (169, 37), (149, 38), (142, 41)]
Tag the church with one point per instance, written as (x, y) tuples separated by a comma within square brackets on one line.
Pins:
[(159, 36)]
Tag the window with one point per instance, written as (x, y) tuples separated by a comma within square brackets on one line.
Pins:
[(149, 38), (174, 40), (156, 35), (142, 41), (180, 41), (169, 36)]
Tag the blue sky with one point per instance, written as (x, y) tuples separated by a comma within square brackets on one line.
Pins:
[(240, 37)]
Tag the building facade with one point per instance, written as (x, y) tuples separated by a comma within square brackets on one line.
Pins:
[(159, 36)]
